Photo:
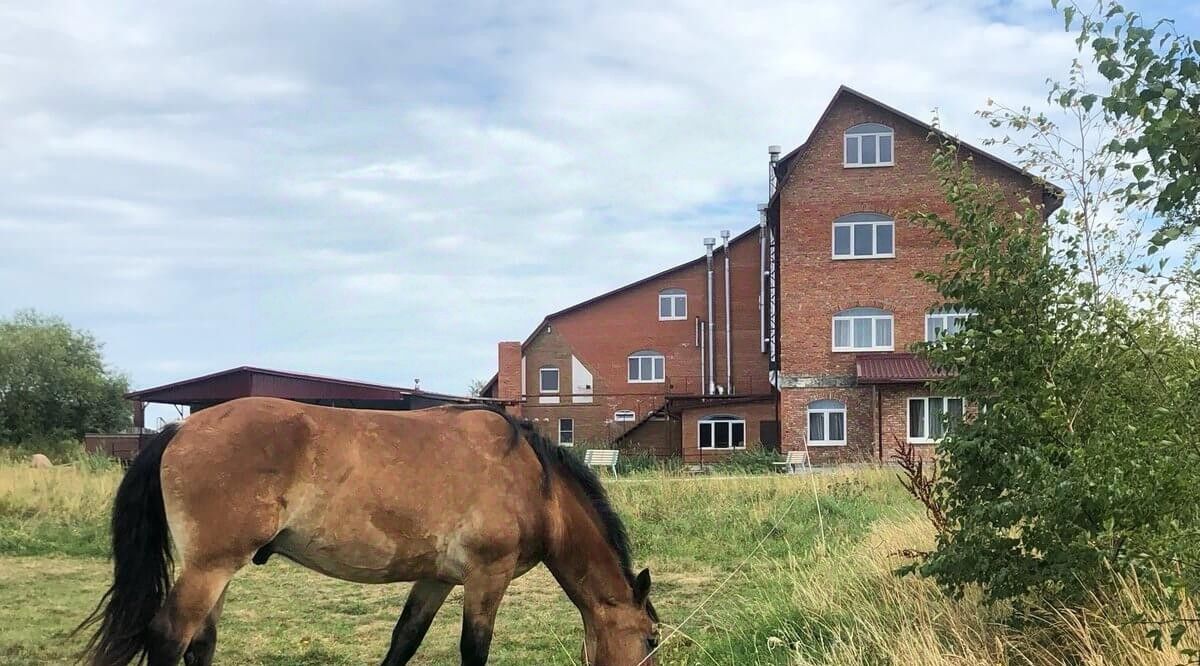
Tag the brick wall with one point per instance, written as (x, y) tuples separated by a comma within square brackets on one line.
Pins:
[(814, 286), (752, 413)]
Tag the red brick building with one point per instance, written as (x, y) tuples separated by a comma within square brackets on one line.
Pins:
[(812, 313)]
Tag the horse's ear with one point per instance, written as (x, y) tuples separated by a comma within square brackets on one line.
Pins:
[(641, 587)]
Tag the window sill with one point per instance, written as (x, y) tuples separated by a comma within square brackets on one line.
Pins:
[(862, 350), (569, 445), (864, 256), (867, 166), (647, 381), (722, 448), (825, 444), (683, 318), (912, 440)]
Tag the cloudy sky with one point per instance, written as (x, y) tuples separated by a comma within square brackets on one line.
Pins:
[(382, 190)]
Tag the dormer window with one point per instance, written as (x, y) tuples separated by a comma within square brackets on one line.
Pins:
[(868, 145), (672, 304)]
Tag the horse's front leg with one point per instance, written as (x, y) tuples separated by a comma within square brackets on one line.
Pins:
[(482, 591), (423, 603)]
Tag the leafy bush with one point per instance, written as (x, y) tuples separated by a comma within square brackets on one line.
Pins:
[(1082, 446)]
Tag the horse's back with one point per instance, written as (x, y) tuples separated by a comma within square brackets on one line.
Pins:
[(358, 494)]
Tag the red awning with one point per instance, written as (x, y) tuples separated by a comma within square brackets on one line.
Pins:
[(894, 369)]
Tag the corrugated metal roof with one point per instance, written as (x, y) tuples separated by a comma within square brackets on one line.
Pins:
[(250, 381), (894, 369)]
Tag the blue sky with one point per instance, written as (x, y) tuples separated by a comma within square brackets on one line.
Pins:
[(382, 191)]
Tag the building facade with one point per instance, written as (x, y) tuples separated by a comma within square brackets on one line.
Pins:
[(813, 313)]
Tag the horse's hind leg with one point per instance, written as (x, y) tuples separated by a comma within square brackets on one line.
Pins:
[(426, 597), (196, 594), (200, 651)]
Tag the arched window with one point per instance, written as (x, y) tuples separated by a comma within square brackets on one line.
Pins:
[(943, 322), (862, 329), (721, 431), (548, 379), (868, 145), (827, 423), (864, 236), (647, 367), (672, 304), (624, 415)]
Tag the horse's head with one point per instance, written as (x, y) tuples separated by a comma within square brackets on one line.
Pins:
[(627, 633)]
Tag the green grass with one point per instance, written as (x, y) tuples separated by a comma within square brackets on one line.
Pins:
[(800, 599)]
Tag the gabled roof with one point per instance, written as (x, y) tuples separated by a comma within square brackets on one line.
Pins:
[(608, 294), (783, 168), (238, 382)]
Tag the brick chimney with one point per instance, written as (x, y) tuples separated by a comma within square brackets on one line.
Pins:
[(508, 377)]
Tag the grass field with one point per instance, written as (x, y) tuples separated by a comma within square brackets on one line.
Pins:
[(800, 599)]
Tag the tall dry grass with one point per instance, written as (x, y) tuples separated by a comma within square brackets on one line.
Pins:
[(63, 510), (852, 609)]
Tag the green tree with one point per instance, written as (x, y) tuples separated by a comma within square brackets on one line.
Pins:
[(1154, 73), (53, 382), (1082, 443)]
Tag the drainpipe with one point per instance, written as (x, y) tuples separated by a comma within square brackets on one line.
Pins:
[(708, 253), (728, 324)]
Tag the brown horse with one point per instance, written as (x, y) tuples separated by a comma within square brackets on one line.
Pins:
[(443, 497)]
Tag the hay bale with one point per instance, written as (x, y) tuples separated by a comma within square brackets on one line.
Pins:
[(39, 461)]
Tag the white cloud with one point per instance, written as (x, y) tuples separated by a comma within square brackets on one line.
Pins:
[(384, 191)]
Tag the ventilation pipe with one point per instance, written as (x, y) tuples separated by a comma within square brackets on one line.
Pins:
[(708, 253), (772, 179), (762, 278), (700, 346), (728, 321)]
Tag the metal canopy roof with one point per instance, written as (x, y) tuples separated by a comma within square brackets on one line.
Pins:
[(248, 381), (894, 369)]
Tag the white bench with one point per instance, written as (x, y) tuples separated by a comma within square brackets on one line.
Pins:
[(602, 458), (796, 459)]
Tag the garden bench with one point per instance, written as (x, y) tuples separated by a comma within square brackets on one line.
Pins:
[(602, 458), (795, 460)]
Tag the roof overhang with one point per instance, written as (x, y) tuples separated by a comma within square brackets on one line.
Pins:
[(894, 368)]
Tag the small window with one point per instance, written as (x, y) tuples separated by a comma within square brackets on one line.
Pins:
[(566, 432), (864, 236), (672, 304), (827, 423), (929, 418), (943, 323), (868, 145), (549, 380), (721, 432), (647, 367), (862, 329), (624, 415)]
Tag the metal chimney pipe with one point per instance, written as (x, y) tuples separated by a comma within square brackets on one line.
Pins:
[(772, 179), (762, 278), (708, 252), (700, 344), (728, 321)]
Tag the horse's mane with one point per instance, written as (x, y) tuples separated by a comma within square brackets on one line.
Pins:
[(556, 458)]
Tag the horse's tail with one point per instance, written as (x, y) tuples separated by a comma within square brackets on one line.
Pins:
[(141, 552)]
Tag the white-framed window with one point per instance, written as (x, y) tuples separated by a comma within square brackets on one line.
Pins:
[(721, 432), (943, 323), (647, 367), (864, 236), (548, 380), (566, 432), (862, 329), (624, 415), (929, 417), (827, 423), (672, 304), (868, 145)]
